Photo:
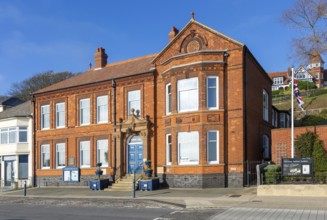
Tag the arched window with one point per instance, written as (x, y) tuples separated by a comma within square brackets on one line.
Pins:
[(265, 106), (265, 147)]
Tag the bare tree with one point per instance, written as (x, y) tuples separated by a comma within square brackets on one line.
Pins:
[(24, 89), (309, 17)]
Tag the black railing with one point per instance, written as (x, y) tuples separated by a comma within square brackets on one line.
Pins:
[(251, 173), (279, 179), (134, 179)]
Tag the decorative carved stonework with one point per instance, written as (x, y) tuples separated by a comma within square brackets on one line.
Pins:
[(213, 118), (193, 46), (168, 122), (190, 119), (193, 42)]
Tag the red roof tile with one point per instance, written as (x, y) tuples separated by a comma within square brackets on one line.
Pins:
[(110, 71)]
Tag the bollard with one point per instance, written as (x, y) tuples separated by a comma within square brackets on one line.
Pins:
[(133, 190), (24, 187)]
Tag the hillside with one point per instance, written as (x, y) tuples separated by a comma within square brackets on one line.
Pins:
[(315, 102), (315, 105)]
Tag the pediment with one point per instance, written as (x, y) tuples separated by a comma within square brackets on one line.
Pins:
[(134, 122), (195, 37)]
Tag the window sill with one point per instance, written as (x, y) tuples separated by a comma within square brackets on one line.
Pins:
[(188, 163), (85, 124), (102, 122), (45, 129), (213, 163)]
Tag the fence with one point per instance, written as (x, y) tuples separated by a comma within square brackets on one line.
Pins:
[(304, 93), (279, 179), (251, 174)]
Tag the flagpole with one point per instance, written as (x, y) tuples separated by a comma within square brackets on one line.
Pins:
[(292, 115)]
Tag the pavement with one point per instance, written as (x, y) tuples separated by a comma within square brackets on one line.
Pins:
[(232, 200)]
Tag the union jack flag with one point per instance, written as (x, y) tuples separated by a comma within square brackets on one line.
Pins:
[(297, 94)]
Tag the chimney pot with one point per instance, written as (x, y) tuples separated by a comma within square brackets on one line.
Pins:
[(100, 58), (172, 34)]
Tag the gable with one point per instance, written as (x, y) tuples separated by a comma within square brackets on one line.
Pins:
[(196, 37), (302, 73)]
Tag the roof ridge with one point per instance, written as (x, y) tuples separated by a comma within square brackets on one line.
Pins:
[(130, 60)]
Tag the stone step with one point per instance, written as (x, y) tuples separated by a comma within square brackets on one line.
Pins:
[(124, 184), (119, 189)]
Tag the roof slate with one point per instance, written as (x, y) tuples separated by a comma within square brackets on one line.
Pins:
[(110, 71), (24, 109), (12, 101)]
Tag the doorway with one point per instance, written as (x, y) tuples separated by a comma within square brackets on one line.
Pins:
[(135, 155), (9, 172)]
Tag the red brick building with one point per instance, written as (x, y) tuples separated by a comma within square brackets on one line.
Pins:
[(198, 109)]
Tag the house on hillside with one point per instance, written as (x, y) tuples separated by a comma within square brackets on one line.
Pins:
[(16, 146), (193, 109), (314, 72), (280, 80)]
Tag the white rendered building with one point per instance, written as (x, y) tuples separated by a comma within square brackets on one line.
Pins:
[(16, 146)]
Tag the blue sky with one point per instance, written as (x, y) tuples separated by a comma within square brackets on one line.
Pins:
[(62, 35)]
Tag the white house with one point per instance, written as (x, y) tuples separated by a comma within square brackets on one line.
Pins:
[(16, 146)]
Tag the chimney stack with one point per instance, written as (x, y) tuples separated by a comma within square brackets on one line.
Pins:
[(100, 58), (172, 34)]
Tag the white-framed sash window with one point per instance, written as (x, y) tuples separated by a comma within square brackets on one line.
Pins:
[(85, 154), (84, 106), (60, 155), (188, 95), (134, 101), (45, 156), (168, 149), (188, 147), (102, 152), (212, 92), (60, 115), (45, 117), (168, 99), (102, 109), (213, 147)]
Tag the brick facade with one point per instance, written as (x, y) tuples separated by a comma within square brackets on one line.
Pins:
[(281, 140), (195, 52)]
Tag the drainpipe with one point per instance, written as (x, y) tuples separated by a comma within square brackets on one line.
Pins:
[(115, 123), (245, 122), (226, 55), (34, 142)]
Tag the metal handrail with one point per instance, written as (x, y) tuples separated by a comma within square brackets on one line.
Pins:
[(134, 180), (116, 174)]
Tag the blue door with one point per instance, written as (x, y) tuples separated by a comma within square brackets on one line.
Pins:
[(135, 158)]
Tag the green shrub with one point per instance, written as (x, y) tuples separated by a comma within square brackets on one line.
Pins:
[(324, 113), (309, 145), (272, 174), (321, 177), (276, 92), (304, 144), (305, 85), (312, 120)]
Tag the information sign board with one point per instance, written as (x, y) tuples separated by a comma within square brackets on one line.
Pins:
[(297, 167), (71, 174)]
